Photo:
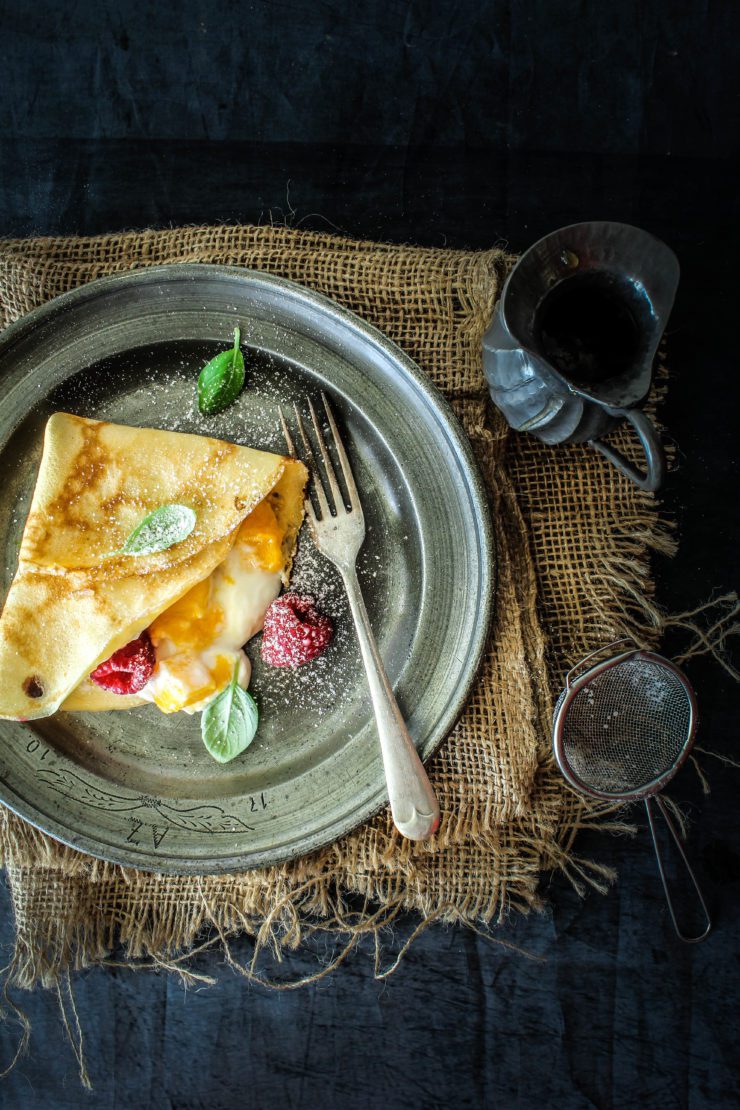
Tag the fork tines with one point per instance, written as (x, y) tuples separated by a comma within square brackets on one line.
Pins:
[(336, 506)]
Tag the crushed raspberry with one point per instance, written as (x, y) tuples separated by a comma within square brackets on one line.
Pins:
[(295, 632), (128, 670)]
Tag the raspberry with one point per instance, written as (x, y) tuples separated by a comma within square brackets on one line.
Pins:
[(295, 632), (128, 669)]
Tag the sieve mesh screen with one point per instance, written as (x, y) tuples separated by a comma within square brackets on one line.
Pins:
[(627, 727)]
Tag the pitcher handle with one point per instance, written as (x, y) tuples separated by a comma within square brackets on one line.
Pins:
[(653, 476)]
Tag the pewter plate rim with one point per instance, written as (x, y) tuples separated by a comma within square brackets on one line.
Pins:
[(427, 395)]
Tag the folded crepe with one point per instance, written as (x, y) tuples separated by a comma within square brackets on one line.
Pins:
[(75, 599)]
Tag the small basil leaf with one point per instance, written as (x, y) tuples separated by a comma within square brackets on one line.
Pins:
[(229, 723), (161, 529), (221, 380)]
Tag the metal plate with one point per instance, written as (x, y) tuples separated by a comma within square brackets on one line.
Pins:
[(138, 787)]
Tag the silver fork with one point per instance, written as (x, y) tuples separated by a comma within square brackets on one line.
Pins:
[(339, 535)]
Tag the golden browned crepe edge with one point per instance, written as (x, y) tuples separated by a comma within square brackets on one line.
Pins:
[(48, 585), (287, 502)]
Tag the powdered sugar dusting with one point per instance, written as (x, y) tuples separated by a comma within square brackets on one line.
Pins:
[(156, 386), (326, 683)]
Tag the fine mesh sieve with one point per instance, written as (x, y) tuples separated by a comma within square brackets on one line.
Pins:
[(621, 730)]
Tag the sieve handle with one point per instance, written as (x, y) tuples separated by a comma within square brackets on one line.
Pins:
[(661, 871)]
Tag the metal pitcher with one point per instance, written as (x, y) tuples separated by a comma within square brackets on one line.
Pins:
[(571, 346)]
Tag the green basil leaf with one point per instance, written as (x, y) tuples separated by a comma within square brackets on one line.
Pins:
[(161, 529), (221, 380), (229, 723)]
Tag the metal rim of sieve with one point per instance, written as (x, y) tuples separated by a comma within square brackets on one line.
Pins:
[(571, 691)]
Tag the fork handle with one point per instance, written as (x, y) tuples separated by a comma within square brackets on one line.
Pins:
[(414, 804)]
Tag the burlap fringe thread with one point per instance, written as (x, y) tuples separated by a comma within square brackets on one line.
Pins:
[(515, 818)]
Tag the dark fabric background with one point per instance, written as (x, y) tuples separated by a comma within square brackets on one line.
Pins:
[(464, 124)]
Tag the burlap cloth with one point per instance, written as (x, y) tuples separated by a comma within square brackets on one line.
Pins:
[(573, 540)]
